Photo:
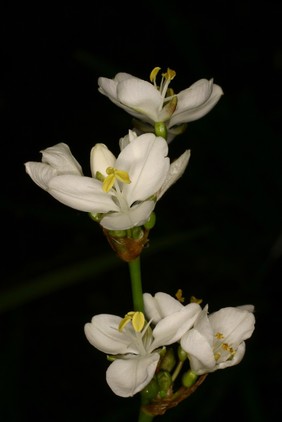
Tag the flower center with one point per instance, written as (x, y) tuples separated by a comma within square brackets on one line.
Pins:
[(222, 350), (137, 320), (113, 175)]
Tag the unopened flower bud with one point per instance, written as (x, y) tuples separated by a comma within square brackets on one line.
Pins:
[(117, 233), (160, 129), (164, 380), (189, 378), (168, 361), (137, 232), (150, 391), (182, 355), (151, 222)]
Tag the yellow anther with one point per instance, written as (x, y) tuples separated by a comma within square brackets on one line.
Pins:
[(136, 318), (219, 336), (179, 296), (138, 321), (228, 348), (193, 299), (114, 174), (124, 321), (170, 74), (154, 73), (169, 92), (99, 176), (217, 356)]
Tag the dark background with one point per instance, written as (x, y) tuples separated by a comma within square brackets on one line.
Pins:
[(219, 229)]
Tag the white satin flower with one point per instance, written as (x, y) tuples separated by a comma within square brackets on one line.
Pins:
[(135, 347), (123, 191), (150, 103), (217, 341)]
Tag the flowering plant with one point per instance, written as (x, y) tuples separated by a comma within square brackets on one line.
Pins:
[(162, 348)]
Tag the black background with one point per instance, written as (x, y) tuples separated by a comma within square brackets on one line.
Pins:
[(218, 231)]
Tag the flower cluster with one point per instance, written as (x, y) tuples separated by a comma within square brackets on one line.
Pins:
[(138, 344), (160, 338)]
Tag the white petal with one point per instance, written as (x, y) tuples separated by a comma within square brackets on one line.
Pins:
[(123, 142), (236, 324), (176, 170), (171, 328), (194, 96), (60, 158), (248, 307), (123, 220), (147, 165), (127, 377), (108, 87), (200, 352), (203, 325), (103, 334), (185, 115), (141, 96), (100, 159), (40, 173), (81, 193), (160, 306)]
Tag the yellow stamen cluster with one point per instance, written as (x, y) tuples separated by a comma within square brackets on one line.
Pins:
[(114, 174), (225, 346), (168, 75), (179, 296), (137, 320), (194, 299)]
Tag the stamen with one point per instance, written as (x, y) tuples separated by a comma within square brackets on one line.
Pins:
[(194, 299), (114, 174), (179, 296), (138, 321), (153, 74), (170, 74), (219, 335)]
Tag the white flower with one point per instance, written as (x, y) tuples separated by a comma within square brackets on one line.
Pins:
[(151, 103), (122, 190), (217, 340), (135, 346)]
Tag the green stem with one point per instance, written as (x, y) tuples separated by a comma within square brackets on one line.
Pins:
[(177, 371), (136, 284), (145, 417)]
